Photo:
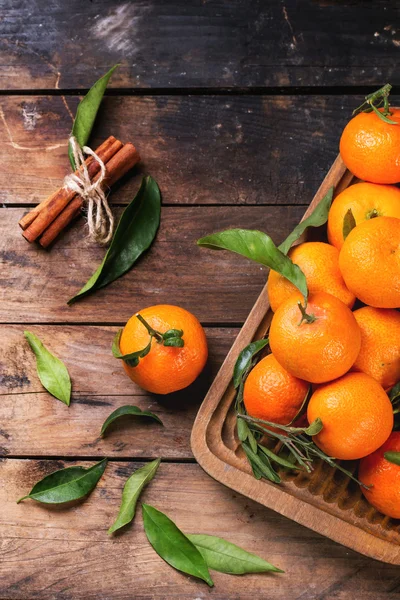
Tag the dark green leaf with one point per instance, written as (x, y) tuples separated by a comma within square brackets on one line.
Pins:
[(176, 342), (172, 545), (132, 490), (242, 429), (349, 223), (135, 232), (87, 111), (318, 217), (244, 359), (131, 359), (173, 333), (393, 457), (128, 410), (382, 116), (67, 484), (314, 427), (259, 247), (252, 440), (226, 557), (275, 458), (261, 464), (53, 374), (394, 393)]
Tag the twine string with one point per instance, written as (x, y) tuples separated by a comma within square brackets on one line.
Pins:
[(99, 216)]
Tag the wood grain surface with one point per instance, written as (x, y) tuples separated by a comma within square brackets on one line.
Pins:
[(191, 43)]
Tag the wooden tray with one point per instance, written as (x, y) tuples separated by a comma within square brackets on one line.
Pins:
[(326, 501)]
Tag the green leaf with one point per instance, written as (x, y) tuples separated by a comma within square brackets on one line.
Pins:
[(393, 457), (173, 333), (130, 495), (261, 464), (225, 557), (394, 393), (172, 545), (67, 484), (244, 359), (87, 111), (53, 374), (131, 359), (382, 116), (175, 342), (314, 427), (134, 234), (318, 217), (349, 223), (130, 410), (276, 458), (242, 429), (259, 247)]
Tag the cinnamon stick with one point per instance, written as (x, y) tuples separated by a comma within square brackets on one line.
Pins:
[(52, 207), (116, 167)]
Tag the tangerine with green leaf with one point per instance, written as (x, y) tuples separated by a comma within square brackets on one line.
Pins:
[(171, 346), (317, 343)]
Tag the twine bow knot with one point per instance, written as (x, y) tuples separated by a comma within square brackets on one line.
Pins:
[(99, 216)]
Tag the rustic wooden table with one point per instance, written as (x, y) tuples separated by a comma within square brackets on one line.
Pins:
[(236, 108)]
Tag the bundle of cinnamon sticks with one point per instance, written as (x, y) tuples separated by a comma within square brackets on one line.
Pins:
[(46, 221)]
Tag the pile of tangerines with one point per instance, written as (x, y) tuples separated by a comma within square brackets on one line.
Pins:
[(351, 358)]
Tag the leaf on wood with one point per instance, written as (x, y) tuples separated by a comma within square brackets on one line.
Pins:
[(172, 545), (318, 217), (134, 234), (87, 111), (52, 372), (128, 410), (67, 484), (226, 557), (130, 495)]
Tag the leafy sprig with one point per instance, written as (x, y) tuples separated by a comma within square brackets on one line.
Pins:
[(375, 101)]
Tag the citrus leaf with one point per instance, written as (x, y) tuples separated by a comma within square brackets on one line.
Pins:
[(314, 427), (67, 484), (225, 557), (242, 430), (128, 410), (261, 464), (131, 359), (134, 234), (87, 111), (349, 223), (244, 359), (132, 490), (52, 372), (318, 217), (172, 545), (259, 247), (394, 393), (393, 457), (382, 116), (276, 458)]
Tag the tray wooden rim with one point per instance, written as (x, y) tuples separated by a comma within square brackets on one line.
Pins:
[(268, 494)]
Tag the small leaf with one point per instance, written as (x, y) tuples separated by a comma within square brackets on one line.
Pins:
[(53, 374), (259, 247), (318, 217), (394, 393), (134, 234), (172, 545), (87, 111), (130, 410), (349, 223), (393, 457), (174, 342), (131, 359), (276, 458), (262, 464), (67, 484), (242, 429), (314, 427), (173, 333), (225, 557), (244, 359), (252, 441), (382, 116), (132, 490)]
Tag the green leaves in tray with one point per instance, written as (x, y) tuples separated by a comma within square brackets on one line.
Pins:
[(226, 557), (128, 410), (258, 246), (132, 490), (172, 545), (87, 111), (53, 374), (67, 484), (134, 234)]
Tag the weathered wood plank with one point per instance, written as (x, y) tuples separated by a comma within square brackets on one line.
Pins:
[(189, 43), (64, 553), (218, 287), (33, 423), (201, 150)]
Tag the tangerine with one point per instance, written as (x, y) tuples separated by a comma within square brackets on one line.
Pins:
[(356, 414), (370, 148), (165, 369), (370, 262), (318, 346)]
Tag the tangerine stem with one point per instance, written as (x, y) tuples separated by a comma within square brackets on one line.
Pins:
[(304, 315)]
